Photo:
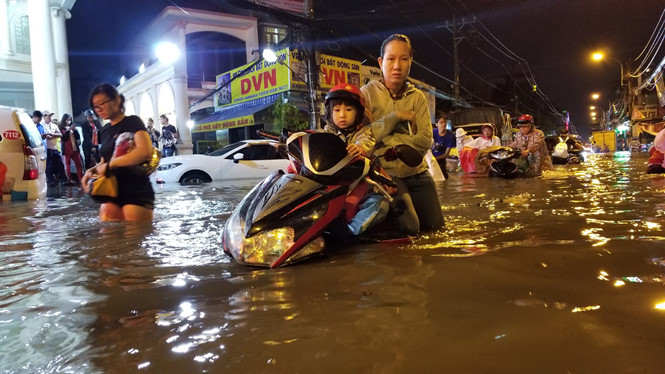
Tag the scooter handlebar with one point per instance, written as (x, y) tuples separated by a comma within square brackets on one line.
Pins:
[(376, 177)]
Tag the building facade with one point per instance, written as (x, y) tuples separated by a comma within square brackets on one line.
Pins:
[(34, 63), (205, 42)]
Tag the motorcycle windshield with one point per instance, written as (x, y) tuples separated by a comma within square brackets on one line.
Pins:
[(323, 157), (276, 223), (318, 151)]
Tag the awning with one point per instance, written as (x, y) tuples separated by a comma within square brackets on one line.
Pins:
[(241, 109), (651, 128)]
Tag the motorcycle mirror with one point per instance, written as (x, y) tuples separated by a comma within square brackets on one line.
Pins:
[(409, 155)]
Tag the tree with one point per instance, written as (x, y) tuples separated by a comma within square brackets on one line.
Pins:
[(288, 116)]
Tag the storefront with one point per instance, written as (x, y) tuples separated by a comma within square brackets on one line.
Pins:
[(244, 104)]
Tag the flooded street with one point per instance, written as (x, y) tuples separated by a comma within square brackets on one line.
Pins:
[(564, 273)]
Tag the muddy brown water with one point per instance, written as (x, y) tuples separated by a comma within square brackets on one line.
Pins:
[(559, 274)]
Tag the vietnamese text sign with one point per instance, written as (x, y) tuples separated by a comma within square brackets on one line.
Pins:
[(334, 70), (263, 79), (224, 124)]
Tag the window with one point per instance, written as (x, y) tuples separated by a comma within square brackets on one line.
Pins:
[(273, 35), (22, 35), (32, 136), (257, 152), (223, 150)]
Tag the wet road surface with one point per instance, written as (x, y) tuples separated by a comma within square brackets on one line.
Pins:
[(564, 273)]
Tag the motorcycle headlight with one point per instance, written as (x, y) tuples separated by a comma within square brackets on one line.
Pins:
[(266, 247), (168, 166), (501, 155)]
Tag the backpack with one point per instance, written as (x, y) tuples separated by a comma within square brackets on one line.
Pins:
[(561, 149)]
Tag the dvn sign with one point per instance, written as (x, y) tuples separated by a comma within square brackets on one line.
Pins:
[(261, 81)]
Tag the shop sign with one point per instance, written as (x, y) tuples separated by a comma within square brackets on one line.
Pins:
[(334, 70), (224, 124), (370, 73), (644, 112), (263, 79)]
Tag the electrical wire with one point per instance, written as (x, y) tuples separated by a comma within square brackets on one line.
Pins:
[(521, 61), (657, 37)]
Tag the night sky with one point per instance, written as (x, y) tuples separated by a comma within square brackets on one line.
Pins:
[(555, 37)]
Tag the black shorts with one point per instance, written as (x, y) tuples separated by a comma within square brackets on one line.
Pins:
[(134, 190)]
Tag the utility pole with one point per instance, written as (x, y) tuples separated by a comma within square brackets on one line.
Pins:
[(312, 69), (455, 29)]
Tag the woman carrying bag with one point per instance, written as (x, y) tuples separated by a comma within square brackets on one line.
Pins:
[(135, 196)]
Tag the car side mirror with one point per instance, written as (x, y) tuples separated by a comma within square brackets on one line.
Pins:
[(237, 157)]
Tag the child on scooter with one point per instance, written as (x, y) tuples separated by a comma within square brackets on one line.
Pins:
[(344, 117)]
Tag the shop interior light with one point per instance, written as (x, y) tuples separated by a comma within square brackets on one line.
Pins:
[(622, 128), (190, 124)]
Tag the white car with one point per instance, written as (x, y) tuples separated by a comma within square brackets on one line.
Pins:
[(22, 157), (247, 159)]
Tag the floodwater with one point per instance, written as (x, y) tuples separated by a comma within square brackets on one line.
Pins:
[(563, 273)]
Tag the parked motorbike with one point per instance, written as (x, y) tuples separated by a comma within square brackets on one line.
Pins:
[(283, 219), (571, 151), (501, 162), (575, 156)]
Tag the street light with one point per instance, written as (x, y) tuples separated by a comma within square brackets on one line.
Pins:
[(598, 56), (269, 55), (167, 52), (595, 96)]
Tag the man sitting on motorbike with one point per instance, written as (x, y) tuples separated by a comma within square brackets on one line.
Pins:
[(345, 110), (531, 142)]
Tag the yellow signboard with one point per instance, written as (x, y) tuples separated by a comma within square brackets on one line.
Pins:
[(261, 80), (334, 70), (224, 124)]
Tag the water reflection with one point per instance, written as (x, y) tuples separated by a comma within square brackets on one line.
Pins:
[(561, 268)]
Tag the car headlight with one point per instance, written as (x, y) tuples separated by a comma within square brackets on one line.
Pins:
[(267, 247), (169, 166)]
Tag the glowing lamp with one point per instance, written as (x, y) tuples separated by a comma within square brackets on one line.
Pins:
[(167, 52), (269, 55)]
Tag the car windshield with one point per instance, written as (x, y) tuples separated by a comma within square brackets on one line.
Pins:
[(224, 149), (32, 136)]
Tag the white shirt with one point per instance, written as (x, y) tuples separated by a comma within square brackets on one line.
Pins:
[(482, 143), (52, 128)]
